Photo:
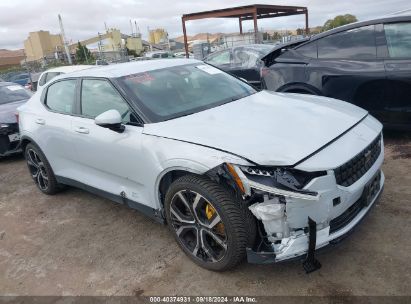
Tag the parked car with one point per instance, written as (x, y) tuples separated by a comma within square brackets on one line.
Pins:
[(366, 63), (204, 152), (158, 54), (241, 61), (101, 62), (22, 79), (51, 73), (11, 96)]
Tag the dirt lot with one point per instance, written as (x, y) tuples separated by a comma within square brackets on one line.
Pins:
[(76, 243)]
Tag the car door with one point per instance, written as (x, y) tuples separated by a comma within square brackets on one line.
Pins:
[(53, 124), (347, 68), (398, 68), (108, 160), (244, 64)]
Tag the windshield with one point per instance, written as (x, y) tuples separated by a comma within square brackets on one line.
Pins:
[(181, 90), (11, 93)]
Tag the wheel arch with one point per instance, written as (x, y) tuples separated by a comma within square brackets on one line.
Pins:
[(168, 176), (25, 140), (299, 87), (217, 174)]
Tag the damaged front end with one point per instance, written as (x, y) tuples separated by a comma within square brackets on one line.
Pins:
[(295, 210)]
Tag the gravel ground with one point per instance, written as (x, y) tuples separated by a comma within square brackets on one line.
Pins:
[(76, 243)]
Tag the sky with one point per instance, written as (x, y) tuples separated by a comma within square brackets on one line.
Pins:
[(85, 18)]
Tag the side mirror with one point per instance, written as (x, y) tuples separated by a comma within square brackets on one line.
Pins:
[(110, 119)]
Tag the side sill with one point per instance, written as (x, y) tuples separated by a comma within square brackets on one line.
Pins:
[(150, 212)]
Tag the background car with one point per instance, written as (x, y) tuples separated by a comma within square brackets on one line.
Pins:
[(366, 63), (11, 97), (22, 79), (241, 61), (51, 73), (206, 153)]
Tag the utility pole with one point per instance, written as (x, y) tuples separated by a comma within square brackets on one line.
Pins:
[(131, 26), (63, 37)]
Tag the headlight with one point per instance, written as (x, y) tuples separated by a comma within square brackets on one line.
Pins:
[(280, 181)]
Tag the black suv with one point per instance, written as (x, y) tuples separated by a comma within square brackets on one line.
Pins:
[(366, 63)]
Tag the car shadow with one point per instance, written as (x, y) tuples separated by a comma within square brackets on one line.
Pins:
[(11, 158)]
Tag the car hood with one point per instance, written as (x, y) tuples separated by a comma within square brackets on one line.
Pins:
[(8, 111), (266, 128)]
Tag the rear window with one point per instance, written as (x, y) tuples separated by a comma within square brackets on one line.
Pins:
[(61, 96), (398, 39), (12, 93)]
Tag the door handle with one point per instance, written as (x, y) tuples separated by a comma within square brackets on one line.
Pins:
[(40, 121), (81, 130)]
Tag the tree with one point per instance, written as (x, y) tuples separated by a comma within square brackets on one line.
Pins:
[(131, 52), (338, 21), (300, 31), (83, 54), (266, 36)]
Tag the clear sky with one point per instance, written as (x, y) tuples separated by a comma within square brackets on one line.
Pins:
[(84, 18)]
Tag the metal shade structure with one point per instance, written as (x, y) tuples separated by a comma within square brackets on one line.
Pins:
[(247, 12)]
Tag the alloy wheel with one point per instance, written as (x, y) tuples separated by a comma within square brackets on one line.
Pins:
[(37, 169), (198, 226)]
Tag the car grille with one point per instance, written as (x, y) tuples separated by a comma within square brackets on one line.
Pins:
[(369, 193), (354, 169)]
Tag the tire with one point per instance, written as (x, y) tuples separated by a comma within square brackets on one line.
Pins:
[(40, 170), (207, 222)]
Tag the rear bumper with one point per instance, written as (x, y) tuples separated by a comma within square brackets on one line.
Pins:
[(297, 246), (7, 147)]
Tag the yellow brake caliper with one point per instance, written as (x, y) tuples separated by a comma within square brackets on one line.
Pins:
[(210, 211)]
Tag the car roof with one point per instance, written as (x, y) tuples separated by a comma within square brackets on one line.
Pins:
[(388, 19), (70, 68), (128, 68)]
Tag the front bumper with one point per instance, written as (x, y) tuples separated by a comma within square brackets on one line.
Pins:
[(297, 246)]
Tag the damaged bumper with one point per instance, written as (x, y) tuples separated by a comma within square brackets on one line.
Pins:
[(298, 245), (324, 217)]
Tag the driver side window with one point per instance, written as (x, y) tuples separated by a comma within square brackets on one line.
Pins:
[(99, 96)]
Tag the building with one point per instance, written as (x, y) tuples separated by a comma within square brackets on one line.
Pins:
[(135, 43), (10, 58), (158, 36), (42, 44)]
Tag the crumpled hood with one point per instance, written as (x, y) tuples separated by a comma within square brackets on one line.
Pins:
[(267, 128), (8, 111)]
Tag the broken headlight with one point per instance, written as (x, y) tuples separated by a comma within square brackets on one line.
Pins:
[(276, 180)]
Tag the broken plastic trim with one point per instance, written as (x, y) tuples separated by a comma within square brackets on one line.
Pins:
[(265, 183), (222, 174), (313, 196)]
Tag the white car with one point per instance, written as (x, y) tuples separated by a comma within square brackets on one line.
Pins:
[(232, 171), (54, 72)]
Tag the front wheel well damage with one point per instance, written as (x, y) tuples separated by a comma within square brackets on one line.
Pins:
[(218, 174), (24, 142)]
